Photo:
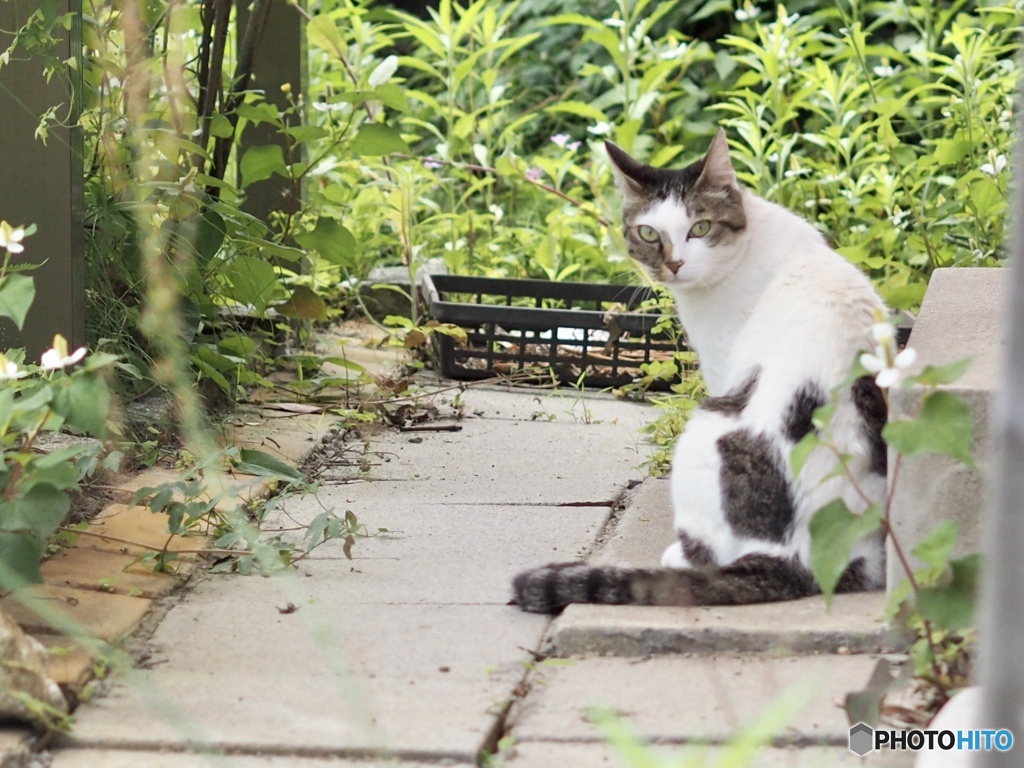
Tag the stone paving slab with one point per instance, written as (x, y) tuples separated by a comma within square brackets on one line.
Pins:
[(853, 625), (129, 526), (562, 405), (231, 670), (692, 698), (553, 463), (70, 663), (405, 642), (106, 572), (429, 550), (534, 754), (280, 709), (108, 617), (270, 429), (117, 758)]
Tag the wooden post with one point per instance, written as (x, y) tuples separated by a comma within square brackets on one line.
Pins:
[(1002, 599), (280, 59), (42, 184)]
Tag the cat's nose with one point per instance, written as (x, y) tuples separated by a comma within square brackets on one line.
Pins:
[(674, 266)]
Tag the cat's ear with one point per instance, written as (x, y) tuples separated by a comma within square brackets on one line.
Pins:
[(630, 174), (717, 166)]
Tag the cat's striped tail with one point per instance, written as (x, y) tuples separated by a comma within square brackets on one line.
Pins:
[(751, 579)]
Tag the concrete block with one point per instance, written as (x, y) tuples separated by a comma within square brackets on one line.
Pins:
[(117, 758), (642, 531), (408, 643), (337, 678), (561, 404), (554, 463), (388, 290), (853, 625), (700, 698), (644, 528), (538, 754), (429, 550), (282, 710), (962, 316)]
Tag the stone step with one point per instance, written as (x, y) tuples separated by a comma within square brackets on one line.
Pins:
[(643, 528)]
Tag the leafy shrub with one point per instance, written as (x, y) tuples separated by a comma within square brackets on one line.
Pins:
[(38, 399), (474, 136)]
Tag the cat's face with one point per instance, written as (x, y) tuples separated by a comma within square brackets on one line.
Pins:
[(686, 226)]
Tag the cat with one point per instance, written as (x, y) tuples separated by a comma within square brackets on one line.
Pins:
[(776, 318)]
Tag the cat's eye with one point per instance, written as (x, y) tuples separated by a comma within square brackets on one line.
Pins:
[(699, 228), (648, 234)]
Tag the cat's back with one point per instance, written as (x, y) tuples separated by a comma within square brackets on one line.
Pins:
[(816, 310)]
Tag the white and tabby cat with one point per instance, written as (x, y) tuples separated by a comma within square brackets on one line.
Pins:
[(776, 318)]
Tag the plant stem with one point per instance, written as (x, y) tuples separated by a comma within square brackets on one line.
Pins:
[(905, 564), (150, 547), (494, 171)]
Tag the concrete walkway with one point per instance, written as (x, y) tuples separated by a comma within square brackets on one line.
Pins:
[(410, 655)]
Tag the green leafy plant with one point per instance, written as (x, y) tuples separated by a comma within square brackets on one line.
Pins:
[(937, 602), (65, 391), (202, 501)]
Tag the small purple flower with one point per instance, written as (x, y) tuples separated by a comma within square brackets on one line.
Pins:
[(572, 146), (432, 164), (534, 174)]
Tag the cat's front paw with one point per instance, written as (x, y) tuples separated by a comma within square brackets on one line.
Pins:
[(674, 557)]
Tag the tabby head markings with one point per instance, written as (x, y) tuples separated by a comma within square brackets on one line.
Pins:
[(687, 226)]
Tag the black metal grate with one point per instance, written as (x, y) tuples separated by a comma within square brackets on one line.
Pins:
[(539, 329)]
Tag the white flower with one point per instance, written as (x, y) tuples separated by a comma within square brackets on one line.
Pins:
[(9, 369), (383, 72), (499, 214), (885, 70), (601, 129), (613, 22), (674, 53), (11, 237), (59, 356), (997, 164), (886, 364)]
